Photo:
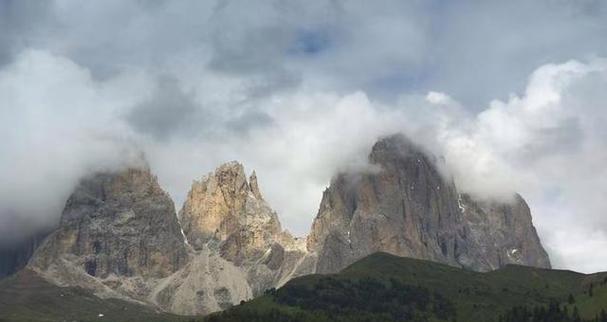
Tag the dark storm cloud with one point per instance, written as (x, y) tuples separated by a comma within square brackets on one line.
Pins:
[(168, 112), (173, 114), (22, 24), (248, 121)]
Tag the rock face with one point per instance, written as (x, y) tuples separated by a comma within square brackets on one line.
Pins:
[(226, 212), (406, 207), (224, 207), (118, 234), (501, 233)]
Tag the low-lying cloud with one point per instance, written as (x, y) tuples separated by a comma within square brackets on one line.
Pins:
[(300, 91)]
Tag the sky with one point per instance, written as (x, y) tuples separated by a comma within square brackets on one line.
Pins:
[(511, 93)]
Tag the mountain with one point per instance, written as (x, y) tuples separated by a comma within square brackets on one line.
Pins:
[(238, 246), (384, 287), (227, 213), (404, 205), (120, 237)]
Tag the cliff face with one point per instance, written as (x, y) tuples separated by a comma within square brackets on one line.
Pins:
[(501, 234), (226, 208), (118, 231), (407, 208), (119, 235), (226, 212)]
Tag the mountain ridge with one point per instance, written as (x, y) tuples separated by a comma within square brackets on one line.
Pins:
[(410, 209), (120, 236)]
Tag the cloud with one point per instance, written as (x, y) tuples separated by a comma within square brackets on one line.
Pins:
[(168, 112), (57, 126), (548, 144), (299, 140), (310, 138), (18, 32), (299, 90)]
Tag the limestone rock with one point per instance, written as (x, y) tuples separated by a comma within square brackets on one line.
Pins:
[(225, 211), (208, 283), (502, 233), (223, 206), (408, 208), (118, 234), (254, 186)]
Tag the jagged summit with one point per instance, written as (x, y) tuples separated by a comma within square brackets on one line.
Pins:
[(395, 147), (114, 225), (224, 211), (120, 237), (254, 186), (409, 209)]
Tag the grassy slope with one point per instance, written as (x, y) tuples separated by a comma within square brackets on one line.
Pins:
[(27, 297), (476, 296)]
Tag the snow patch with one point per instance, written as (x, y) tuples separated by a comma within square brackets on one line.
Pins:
[(185, 239), (514, 254), (460, 204)]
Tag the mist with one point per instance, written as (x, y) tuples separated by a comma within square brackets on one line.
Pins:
[(299, 92)]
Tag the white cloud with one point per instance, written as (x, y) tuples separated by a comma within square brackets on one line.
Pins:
[(549, 144), (299, 91), (57, 124), (312, 136), (438, 98)]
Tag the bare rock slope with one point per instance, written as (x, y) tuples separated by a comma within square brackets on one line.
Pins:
[(120, 237), (406, 207), (226, 212)]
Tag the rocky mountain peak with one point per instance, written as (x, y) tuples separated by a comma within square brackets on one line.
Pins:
[(119, 234), (119, 237), (394, 148), (408, 208), (231, 179), (224, 203), (227, 213), (115, 224), (254, 186)]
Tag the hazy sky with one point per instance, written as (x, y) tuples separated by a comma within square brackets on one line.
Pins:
[(512, 93)]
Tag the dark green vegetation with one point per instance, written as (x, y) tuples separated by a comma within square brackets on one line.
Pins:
[(383, 287), (555, 312), (26, 297)]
